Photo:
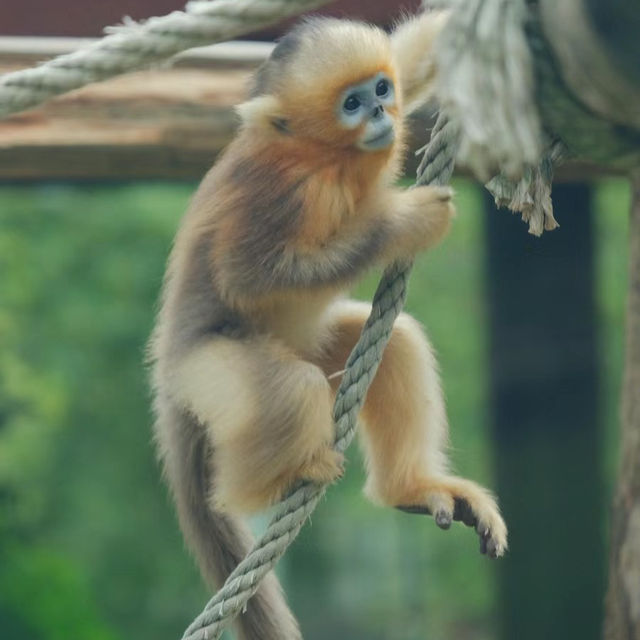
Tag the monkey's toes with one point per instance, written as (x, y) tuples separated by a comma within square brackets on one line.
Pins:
[(491, 543), (465, 502), (326, 466), (443, 518), (488, 525), (463, 512), (438, 504)]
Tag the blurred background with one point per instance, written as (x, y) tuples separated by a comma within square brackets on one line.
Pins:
[(529, 333)]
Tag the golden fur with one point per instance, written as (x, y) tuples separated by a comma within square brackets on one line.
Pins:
[(254, 326)]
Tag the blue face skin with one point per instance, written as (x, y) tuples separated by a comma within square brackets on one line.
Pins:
[(366, 103)]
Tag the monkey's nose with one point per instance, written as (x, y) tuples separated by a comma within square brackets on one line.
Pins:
[(377, 111)]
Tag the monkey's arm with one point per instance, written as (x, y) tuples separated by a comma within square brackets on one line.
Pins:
[(412, 45), (396, 224), (286, 266)]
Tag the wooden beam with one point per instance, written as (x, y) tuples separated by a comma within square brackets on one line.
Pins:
[(167, 123), (164, 123)]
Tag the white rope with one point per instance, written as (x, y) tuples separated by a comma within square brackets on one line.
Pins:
[(531, 194), (486, 83), (137, 45)]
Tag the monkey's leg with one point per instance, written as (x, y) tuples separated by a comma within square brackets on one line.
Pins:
[(267, 414), (405, 433)]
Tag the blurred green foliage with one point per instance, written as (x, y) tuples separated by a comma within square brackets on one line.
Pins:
[(89, 546)]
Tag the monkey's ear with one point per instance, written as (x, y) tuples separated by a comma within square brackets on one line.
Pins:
[(265, 112)]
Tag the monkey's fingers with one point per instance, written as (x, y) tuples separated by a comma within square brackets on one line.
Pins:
[(326, 466), (442, 193), (432, 195)]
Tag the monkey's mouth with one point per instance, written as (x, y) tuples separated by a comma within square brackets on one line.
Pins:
[(380, 141)]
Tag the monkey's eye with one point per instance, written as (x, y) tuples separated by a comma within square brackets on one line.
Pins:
[(382, 88), (351, 104)]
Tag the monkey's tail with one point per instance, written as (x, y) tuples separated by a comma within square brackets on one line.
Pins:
[(217, 541)]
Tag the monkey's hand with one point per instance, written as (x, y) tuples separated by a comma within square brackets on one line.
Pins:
[(324, 467), (451, 498), (434, 211), (420, 218)]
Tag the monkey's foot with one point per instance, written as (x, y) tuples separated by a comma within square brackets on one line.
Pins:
[(324, 467), (451, 498)]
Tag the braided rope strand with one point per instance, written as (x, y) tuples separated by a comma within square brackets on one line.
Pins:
[(137, 45), (362, 364)]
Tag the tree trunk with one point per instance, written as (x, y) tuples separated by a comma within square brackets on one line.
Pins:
[(622, 620)]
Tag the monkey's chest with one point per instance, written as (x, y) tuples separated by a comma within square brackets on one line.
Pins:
[(300, 322)]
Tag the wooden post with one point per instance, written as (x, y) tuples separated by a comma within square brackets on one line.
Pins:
[(544, 396), (623, 598)]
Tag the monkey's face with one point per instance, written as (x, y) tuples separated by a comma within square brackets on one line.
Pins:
[(331, 83), (367, 109), (345, 108)]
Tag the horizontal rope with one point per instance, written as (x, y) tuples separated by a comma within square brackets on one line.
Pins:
[(135, 46)]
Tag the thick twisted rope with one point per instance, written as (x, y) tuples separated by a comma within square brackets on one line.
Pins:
[(499, 79), (485, 80), (135, 46), (435, 168)]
